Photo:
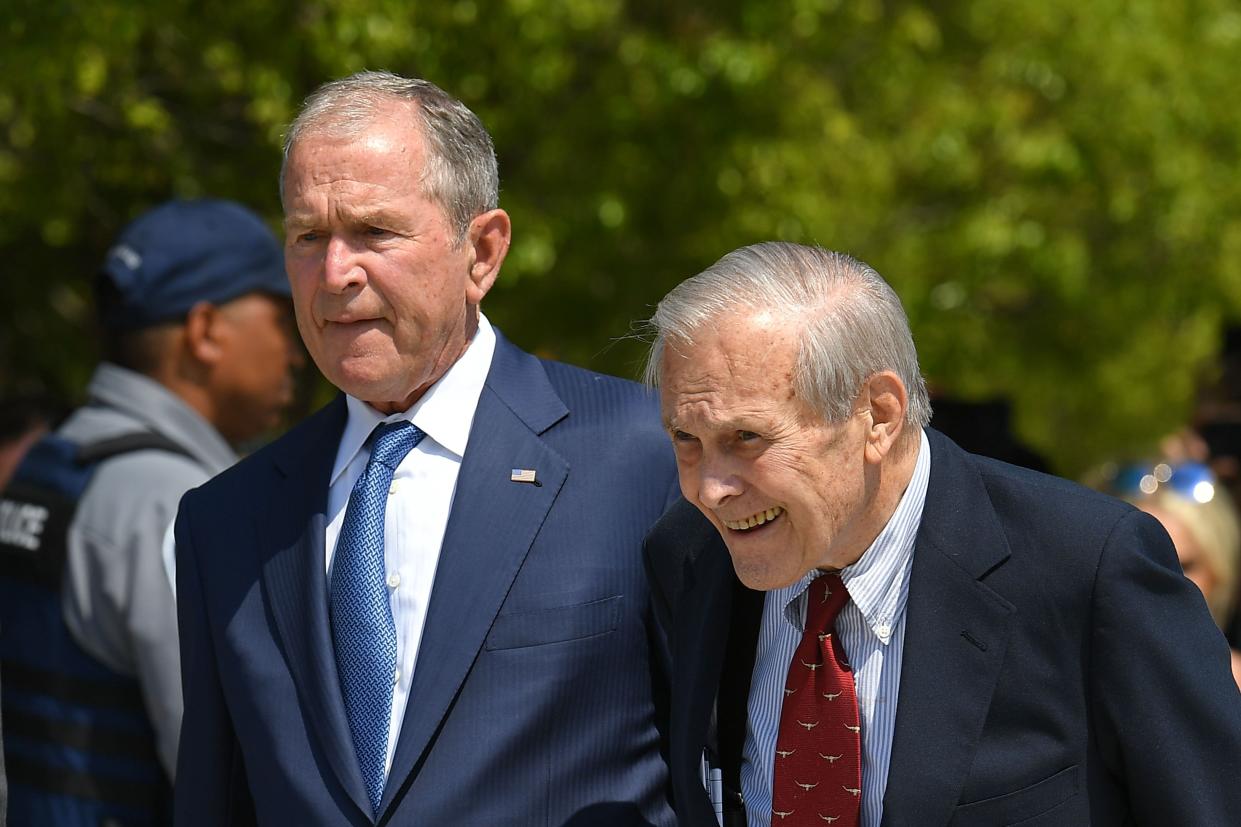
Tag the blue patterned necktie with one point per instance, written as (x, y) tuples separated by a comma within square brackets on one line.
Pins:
[(363, 633)]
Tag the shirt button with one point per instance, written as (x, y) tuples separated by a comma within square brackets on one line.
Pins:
[(884, 631), (396, 676), (394, 580), (392, 489)]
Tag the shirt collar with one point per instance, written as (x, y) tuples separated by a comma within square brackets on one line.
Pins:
[(878, 582), (444, 413)]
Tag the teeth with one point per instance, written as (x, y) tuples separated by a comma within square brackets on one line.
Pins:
[(754, 519)]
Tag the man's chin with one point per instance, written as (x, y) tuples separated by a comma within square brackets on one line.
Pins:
[(757, 572), (760, 554), (362, 381)]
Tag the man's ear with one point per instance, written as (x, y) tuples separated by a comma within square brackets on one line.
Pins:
[(202, 333), (489, 237), (884, 394)]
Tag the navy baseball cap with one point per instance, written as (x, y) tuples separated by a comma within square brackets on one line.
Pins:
[(183, 252)]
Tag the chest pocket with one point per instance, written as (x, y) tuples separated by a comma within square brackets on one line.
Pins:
[(1024, 805), (558, 624)]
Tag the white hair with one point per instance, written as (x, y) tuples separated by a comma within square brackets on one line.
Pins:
[(461, 173), (854, 324)]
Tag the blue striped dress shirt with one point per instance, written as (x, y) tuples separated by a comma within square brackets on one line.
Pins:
[(871, 627)]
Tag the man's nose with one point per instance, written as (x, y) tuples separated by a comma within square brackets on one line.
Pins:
[(717, 482), (341, 269)]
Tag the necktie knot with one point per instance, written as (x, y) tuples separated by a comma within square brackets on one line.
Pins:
[(391, 441), (825, 597)]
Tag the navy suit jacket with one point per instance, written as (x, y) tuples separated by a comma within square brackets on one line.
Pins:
[(538, 693), (1058, 668)]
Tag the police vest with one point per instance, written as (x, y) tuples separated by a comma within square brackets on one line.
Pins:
[(79, 748)]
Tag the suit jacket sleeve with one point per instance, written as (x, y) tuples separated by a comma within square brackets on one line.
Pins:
[(212, 787), (1169, 713)]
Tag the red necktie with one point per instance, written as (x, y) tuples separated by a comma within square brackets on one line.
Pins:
[(818, 763)]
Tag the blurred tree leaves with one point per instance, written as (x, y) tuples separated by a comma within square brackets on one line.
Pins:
[(1051, 187)]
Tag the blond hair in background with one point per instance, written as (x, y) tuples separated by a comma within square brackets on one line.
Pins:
[(1215, 528)]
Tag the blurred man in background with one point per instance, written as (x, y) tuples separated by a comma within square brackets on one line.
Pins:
[(23, 421), (198, 349)]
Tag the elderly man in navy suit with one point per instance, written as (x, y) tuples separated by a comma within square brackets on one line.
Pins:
[(426, 604), (870, 626)]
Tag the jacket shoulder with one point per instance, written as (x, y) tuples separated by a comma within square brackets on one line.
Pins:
[(616, 418), (979, 511), (1052, 502), (1041, 499), (319, 432), (587, 387)]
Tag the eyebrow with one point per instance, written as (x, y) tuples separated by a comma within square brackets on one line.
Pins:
[(297, 221), (755, 425), (362, 218), (674, 424), (669, 422)]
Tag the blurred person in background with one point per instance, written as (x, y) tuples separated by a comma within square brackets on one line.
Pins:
[(1213, 437), (1217, 424), (23, 420), (198, 348), (1200, 517)]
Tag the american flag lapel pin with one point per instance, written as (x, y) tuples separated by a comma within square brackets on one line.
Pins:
[(524, 475)]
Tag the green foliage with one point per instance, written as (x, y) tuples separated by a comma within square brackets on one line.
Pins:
[(1050, 186)]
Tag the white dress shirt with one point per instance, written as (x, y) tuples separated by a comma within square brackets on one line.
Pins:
[(420, 499), (871, 627)]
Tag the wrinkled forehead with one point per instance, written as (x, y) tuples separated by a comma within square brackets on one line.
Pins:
[(726, 369), (738, 347), (389, 131)]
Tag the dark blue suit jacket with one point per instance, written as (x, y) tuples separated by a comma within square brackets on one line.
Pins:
[(538, 695), (1059, 670)]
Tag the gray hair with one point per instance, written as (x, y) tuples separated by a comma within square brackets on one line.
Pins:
[(461, 173), (854, 324)]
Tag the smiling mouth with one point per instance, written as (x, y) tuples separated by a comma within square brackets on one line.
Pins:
[(754, 520)]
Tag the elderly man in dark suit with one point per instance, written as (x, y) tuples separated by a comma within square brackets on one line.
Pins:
[(426, 604), (870, 626)]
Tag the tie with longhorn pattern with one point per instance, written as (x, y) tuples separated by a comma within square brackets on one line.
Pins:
[(818, 763)]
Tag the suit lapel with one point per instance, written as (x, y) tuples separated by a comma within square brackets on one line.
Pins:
[(732, 704), (701, 627), (956, 633), (294, 578), (493, 524)]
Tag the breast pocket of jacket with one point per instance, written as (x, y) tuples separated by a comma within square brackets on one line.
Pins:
[(557, 624), (1025, 806)]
